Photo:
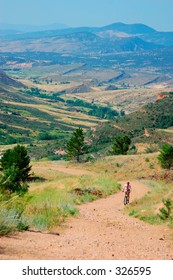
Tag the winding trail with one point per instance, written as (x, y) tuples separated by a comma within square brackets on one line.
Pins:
[(101, 232)]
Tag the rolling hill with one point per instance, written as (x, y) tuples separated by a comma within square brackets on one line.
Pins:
[(5, 80), (80, 42), (42, 122), (147, 125)]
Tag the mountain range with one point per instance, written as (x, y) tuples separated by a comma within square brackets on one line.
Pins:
[(12, 28), (117, 37), (52, 78)]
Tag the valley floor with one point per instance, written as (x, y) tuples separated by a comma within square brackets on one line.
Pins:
[(102, 231)]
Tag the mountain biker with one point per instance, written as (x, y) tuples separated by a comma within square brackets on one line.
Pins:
[(127, 188)]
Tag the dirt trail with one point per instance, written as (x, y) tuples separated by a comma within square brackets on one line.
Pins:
[(100, 232)]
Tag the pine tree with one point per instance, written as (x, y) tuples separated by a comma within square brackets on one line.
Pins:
[(121, 145), (166, 156), (16, 169), (76, 146)]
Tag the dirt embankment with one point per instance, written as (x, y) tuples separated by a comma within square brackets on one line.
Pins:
[(100, 232)]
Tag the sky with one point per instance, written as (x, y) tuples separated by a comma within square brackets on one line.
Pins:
[(157, 14)]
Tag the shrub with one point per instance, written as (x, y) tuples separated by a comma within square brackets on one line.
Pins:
[(165, 211), (151, 149), (11, 214)]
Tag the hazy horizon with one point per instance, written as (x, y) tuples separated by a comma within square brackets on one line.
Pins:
[(154, 13)]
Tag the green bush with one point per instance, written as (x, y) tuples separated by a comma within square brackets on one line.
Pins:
[(11, 214), (165, 212), (11, 221)]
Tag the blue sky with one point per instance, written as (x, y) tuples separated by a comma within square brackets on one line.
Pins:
[(155, 13)]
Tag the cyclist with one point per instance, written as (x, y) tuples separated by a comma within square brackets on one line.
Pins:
[(127, 188)]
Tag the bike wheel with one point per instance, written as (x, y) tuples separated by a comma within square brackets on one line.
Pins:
[(125, 200)]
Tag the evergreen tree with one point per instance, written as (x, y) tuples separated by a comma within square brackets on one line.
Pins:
[(16, 169), (121, 145), (76, 146), (166, 156)]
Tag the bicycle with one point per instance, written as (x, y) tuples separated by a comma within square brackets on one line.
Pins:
[(126, 198)]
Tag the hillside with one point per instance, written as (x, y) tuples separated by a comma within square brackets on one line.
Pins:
[(147, 125), (5, 80), (153, 115), (83, 42), (42, 119), (39, 121)]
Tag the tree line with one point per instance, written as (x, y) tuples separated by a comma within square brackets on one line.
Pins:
[(16, 169)]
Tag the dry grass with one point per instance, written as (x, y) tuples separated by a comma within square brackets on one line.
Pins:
[(52, 196), (53, 87), (130, 99), (148, 207), (54, 174), (128, 166), (70, 118), (168, 130)]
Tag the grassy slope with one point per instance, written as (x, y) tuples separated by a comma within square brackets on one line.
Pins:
[(152, 115), (61, 178), (156, 117), (23, 118)]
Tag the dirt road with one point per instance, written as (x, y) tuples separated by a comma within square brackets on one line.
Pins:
[(100, 232)]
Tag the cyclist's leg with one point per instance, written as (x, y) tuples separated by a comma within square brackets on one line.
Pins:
[(125, 198), (128, 196)]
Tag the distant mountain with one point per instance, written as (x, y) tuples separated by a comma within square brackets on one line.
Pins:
[(31, 28), (27, 31), (128, 28), (80, 42), (116, 37)]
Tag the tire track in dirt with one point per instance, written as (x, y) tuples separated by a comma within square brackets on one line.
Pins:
[(100, 232)]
